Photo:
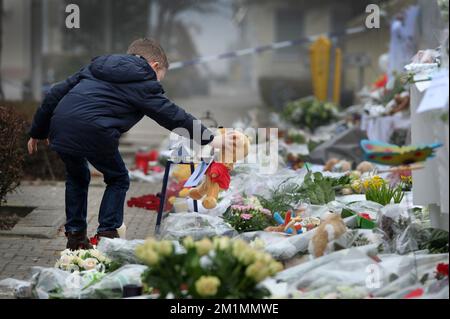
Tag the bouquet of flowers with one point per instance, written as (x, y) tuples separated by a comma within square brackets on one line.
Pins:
[(218, 268), (82, 260), (295, 137), (318, 189), (245, 218), (310, 112), (406, 182), (343, 185), (379, 191), (286, 196)]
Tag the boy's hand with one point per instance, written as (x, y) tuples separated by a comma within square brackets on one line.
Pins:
[(216, 142), (228, 140), (32, 145)]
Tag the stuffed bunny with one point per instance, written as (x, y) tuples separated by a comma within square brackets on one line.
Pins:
[(331, 227)]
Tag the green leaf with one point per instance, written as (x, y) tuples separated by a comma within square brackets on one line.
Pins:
[(320, 196), (346, 212), (318, 176)]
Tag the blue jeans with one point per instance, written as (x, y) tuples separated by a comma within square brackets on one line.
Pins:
[(78, 176)]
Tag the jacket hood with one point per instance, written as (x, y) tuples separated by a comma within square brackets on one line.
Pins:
[(121, 68)]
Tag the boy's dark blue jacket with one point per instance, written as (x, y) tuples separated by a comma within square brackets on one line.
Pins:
[(87, 113)]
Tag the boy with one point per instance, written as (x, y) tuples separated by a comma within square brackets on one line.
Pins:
[(83, 118)]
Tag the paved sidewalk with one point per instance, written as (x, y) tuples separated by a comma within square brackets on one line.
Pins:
[(19, 254)]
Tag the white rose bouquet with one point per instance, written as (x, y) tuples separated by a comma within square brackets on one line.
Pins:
[(82, 260), (310, 113)]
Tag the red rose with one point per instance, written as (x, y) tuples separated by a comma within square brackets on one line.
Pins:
[(442, 269), (150, 202), (93, 241)]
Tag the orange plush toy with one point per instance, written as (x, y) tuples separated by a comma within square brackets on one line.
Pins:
[(235, 146), (181, 174)]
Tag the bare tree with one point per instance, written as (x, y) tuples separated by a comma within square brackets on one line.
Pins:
[(167, 12)]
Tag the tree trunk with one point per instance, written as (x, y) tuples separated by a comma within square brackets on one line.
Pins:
[(149, 18), (36, 49), (169, 26), (2, 95), (107, 27), (162, 19)]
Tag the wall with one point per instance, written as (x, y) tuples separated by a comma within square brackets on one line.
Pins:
[(373, 43), (16, 57), (316, 21)]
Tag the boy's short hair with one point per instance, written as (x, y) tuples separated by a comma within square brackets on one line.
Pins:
[(150, 50)]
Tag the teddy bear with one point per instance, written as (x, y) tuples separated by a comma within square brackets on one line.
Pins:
[(235, 147), (331, 227), (365, 167), (399, 103), (336, 165)]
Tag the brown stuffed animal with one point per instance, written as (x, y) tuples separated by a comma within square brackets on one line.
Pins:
[(401, 103), (330, 164), (331, 227), (235, 146), (336, 165), (365, 167)]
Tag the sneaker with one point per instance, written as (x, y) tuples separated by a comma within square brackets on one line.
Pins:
[(77, 240), (108, 234)]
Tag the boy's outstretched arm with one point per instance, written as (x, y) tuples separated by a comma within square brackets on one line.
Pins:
[(41, 120), (171, 116)]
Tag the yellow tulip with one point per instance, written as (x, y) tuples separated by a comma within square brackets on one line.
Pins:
[(165, 248), (203, 246), (207, 286), (188, 242)]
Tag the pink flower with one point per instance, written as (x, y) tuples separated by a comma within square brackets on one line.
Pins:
[(237, 207), (246, 216), (238, 199)]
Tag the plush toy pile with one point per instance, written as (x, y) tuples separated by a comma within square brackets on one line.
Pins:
[(294, 234)]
